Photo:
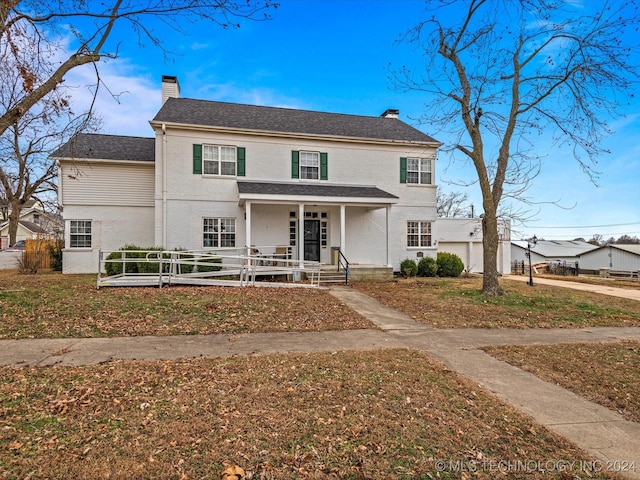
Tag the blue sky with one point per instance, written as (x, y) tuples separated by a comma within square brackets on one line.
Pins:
[(335, 56)]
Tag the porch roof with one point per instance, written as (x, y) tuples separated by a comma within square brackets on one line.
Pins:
[(313, 193)]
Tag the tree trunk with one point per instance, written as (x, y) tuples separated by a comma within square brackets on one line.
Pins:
[(14, 217), (490, 240)]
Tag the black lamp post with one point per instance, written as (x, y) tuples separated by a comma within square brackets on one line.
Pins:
[(533, 241)]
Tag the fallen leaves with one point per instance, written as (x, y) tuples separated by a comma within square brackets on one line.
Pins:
[(381, 414), (459, 303), (51, 306), (603, 373)]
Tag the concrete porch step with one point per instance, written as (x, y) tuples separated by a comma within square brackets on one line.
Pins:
[(329, 274)]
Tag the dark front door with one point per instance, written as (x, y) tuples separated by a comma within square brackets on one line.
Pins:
[(312, 240)]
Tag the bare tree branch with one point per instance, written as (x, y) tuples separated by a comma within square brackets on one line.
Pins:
[(505, 70)]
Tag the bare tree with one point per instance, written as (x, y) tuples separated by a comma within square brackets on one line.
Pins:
[(505, 73), (452, 204), (26, 171), (35, 108), (95, 28)]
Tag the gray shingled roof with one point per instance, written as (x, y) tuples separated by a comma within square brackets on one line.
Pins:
[(312, 189), (558, 248), (285, 120), (108, 147)]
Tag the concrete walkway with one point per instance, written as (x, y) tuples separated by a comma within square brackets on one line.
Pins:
[(597, 430), (594, 428), (585, 287)]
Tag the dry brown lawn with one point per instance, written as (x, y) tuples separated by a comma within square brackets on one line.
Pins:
[(459, 303), (391, 414), (388, 414), (55, 305), (608, 374)]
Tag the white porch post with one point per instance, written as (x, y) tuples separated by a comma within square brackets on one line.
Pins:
[(387, 212), (247, 227), (343, 230), (301, 234)]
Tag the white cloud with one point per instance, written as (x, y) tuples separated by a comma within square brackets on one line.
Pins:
[(126, 101)]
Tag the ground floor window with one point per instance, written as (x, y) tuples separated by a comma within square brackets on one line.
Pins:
[(418, 234), (219, 232), (80, 233)]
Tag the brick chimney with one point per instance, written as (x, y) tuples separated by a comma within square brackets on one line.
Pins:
[(170, 87), (391, 113)]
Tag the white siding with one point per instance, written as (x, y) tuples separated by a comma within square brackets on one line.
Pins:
[(610, 257), (107, 184)]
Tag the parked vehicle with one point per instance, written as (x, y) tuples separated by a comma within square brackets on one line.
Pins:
[(19, 245)]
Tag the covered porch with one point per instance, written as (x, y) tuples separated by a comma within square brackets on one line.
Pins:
[(318, 222)]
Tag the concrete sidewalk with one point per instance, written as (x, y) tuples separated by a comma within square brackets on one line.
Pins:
[(585, 287), (594, 428), (597, 430)]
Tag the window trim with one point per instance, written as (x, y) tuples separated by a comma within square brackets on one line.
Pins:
[(315, 168), (217, 235), (84, 234), (322, 167), (405, 172), (219, 160), (418, 233)]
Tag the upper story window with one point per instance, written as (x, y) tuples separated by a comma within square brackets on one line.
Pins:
[(417, 171), (309, 165), (219, 160)]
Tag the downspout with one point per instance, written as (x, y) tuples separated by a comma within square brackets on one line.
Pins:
[(61, 202), (164, 185)]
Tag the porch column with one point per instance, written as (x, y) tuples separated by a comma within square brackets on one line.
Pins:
[(343, 230), (247, 227), (301, 234), (388, 234)]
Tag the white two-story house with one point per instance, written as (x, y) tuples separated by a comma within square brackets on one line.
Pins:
[(222, 176)]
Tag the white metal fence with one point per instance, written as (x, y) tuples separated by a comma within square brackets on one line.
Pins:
[(239, 268)]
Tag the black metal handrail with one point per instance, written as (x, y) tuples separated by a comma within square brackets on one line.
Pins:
[(344, 263)]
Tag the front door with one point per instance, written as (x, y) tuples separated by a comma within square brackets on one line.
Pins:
[(312, 240)]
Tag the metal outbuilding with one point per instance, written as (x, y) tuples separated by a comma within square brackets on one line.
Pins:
[(622, 258)]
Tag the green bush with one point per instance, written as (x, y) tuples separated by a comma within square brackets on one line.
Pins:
[(449, 265), (147, 261), (427, 267), (116, 268), (151, 262), (408, 268), (206, 268)]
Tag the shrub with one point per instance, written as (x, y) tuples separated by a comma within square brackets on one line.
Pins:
[(206, 268), (449, 265), (150, 261), (408, 268), (116, 268), (427, 267), (28, 264), (147, 261), (55, 254)]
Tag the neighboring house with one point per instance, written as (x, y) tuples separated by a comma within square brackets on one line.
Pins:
[(569, 251), (625, 258), (463, 236), (34, 223), (225, 177)]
